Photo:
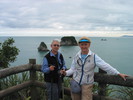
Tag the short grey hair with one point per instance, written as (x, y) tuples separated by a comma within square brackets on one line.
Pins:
[(55, 40)]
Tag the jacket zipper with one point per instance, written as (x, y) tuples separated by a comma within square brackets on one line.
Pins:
[(82, 70)]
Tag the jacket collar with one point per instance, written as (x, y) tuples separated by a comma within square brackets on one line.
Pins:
[(51, 54), (89, 53)]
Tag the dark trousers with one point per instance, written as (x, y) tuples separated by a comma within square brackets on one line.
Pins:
[(52, 91)]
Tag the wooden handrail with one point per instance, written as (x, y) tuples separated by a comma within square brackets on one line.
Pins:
[(14, 70), (98, 77), (13, 89), (101, 78), (113, 79)]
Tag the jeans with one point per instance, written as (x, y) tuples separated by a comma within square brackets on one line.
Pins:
[(52, 91)]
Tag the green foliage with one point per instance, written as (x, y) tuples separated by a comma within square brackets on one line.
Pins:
[(125, 93), (109, 91), (41, 91), (29, 98), (120, 92), (40, 76), (66, 82), (8, 53), (15, 80)]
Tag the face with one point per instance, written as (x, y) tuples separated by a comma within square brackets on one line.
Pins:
[(84, 46), (55, 46)]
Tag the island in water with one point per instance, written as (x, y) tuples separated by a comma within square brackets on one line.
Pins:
[(68, 41)]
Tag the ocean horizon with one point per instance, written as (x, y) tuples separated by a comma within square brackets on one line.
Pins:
[(117, 51)]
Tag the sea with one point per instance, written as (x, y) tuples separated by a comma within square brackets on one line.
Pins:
[(117, 51)]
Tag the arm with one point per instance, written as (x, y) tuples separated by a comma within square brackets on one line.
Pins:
[(64, 66), (45, 68), (105, 66), (108, 68), (61, 61), (71, 70)]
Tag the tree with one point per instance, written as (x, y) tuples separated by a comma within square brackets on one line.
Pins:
[(8, 53)]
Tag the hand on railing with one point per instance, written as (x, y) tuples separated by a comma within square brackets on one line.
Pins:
[(123, 76)]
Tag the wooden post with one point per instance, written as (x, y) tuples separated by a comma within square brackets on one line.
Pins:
[(33, 77), (102, 87)]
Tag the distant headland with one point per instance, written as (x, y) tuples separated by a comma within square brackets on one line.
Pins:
[(127, 36)]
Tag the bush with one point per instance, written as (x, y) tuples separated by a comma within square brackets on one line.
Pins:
[(8, 53)]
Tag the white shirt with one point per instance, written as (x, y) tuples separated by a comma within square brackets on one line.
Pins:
[(99, 63)]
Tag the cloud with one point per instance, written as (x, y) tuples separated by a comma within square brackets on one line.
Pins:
[(91, 15)]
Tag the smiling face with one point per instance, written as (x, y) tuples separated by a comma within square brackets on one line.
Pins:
[(55, 46), (84, 46)]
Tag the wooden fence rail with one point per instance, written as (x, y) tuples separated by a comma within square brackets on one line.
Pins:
[(102, 78)]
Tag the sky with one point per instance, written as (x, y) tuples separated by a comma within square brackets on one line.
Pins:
[(66, 17)]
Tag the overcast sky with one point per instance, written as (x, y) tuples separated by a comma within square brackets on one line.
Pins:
[(19, 16)]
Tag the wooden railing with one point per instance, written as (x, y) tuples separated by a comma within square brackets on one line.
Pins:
[(102, 78)]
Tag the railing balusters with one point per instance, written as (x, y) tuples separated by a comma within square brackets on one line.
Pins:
[(102, 86), (33, 78)]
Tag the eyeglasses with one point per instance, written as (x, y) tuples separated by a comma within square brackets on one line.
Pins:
[(56, 45)]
